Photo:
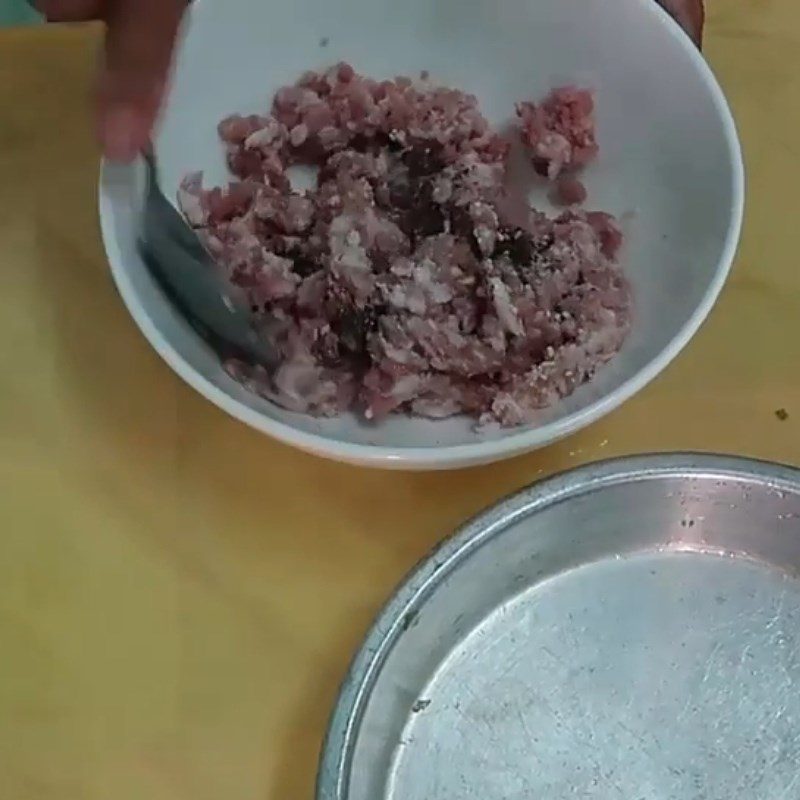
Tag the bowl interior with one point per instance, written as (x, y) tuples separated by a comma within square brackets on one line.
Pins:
[(669, 163)]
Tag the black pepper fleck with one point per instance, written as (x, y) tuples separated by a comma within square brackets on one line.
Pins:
[(423, 160), (354, 327), (522, 247), (304, 266), (425, 217), (463, 226)]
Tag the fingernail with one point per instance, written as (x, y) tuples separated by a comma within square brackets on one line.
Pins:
[(120, 133)]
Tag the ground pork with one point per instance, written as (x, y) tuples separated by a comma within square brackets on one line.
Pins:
[(559, 131), (411, 279)]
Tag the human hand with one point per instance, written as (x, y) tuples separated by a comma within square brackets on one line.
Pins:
[(140, 35), (690, 14)]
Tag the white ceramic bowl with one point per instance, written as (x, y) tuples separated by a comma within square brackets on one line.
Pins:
[(670, 160)]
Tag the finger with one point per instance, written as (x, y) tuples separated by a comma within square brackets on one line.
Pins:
[(138, 56), (69, 10), (690, 15)]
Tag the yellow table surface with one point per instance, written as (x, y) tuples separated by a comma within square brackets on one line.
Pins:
[(179, 596)]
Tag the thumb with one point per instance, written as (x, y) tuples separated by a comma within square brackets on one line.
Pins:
[(138, 56), (690, 15)]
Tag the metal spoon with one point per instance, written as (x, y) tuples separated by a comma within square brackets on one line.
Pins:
[(191, 280)]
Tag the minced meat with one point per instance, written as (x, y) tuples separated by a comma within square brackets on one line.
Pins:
[(411, 279)]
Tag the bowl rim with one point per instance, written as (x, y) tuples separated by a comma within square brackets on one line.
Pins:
[(405, 600), (473, 453)]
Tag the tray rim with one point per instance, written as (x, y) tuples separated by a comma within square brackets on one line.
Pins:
[(400, 610)]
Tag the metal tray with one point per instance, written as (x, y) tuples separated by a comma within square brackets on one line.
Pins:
[(628, 630)]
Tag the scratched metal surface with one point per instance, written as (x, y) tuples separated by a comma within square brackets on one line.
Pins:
[(659, 676), (630, 630)]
